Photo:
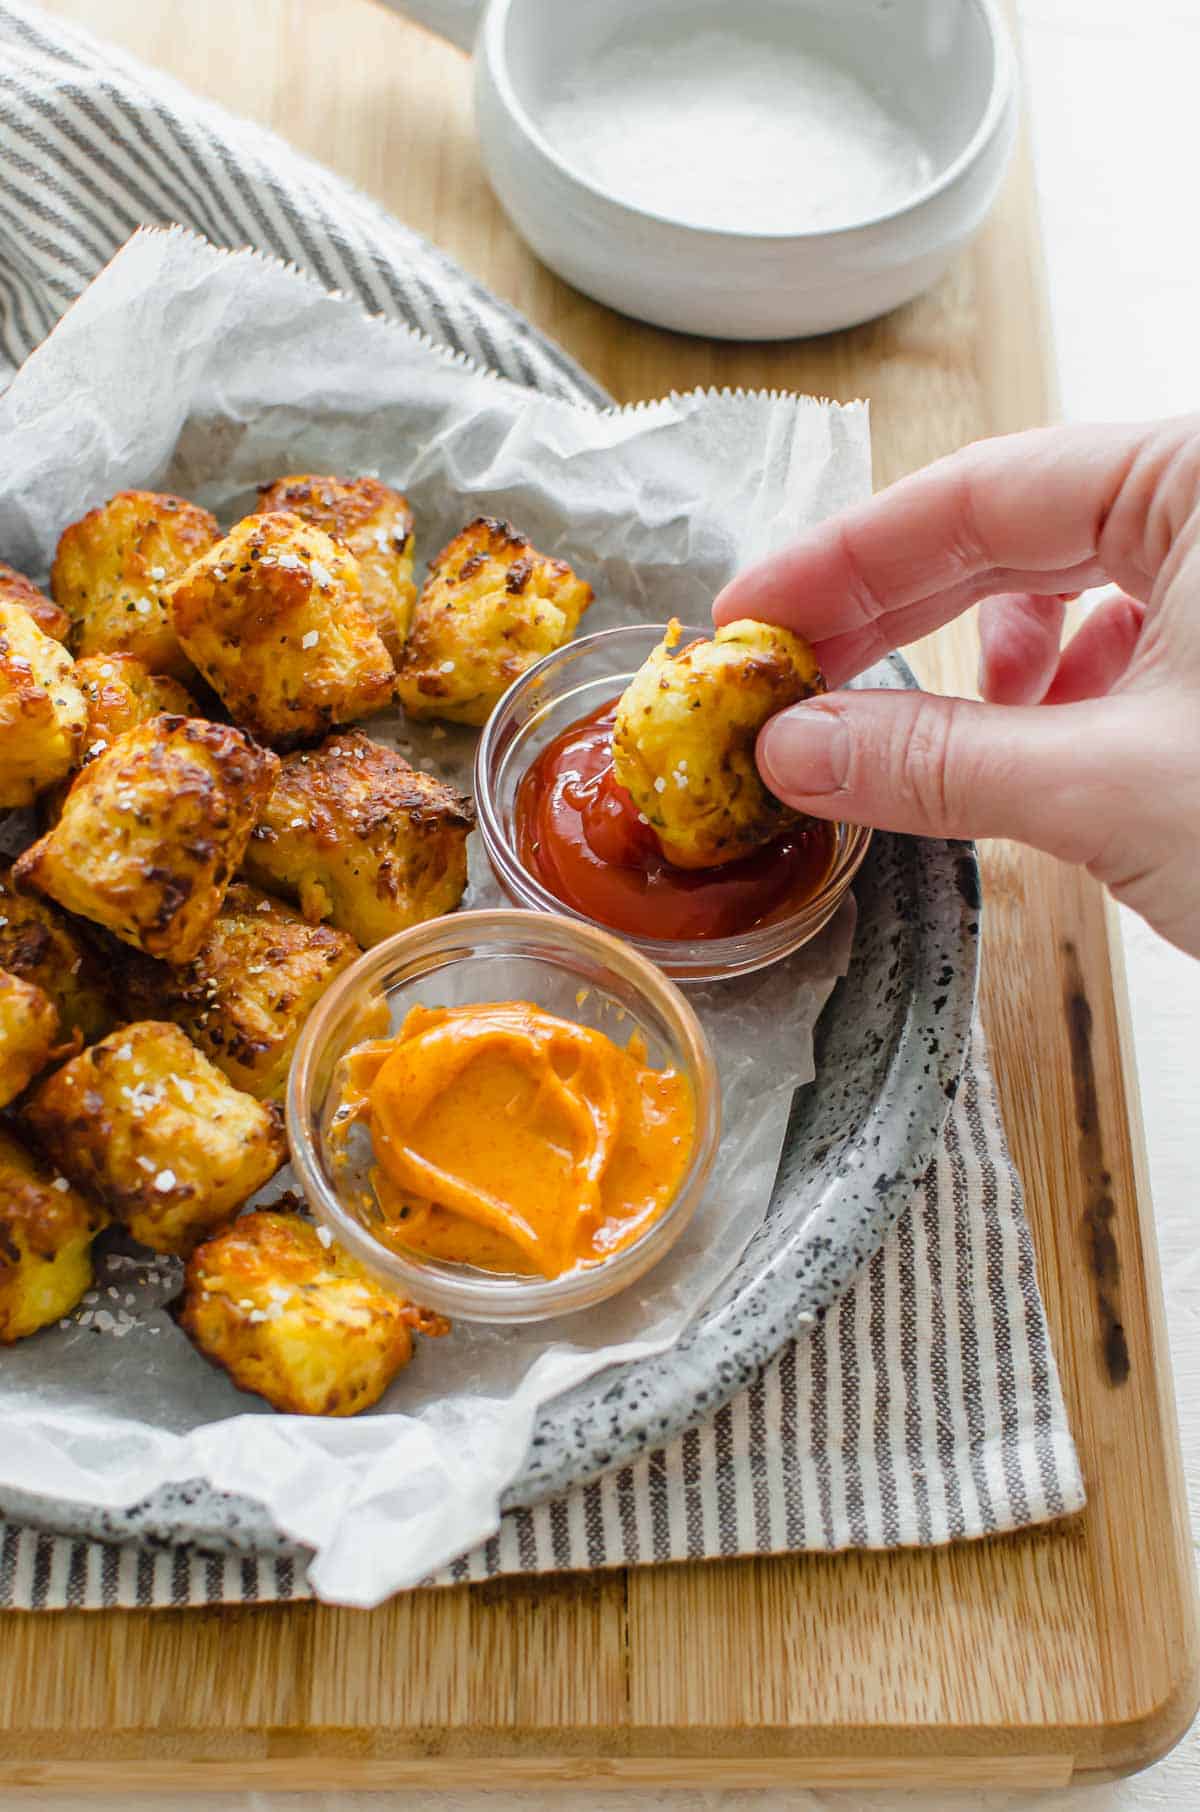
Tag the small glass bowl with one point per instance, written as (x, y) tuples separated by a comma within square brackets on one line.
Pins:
[(561, 689), (573, 970)]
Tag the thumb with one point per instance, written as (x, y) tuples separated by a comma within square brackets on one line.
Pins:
[(1068, 778)]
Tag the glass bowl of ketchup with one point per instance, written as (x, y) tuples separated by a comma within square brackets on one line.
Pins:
[(562, 836), (452, 1011)]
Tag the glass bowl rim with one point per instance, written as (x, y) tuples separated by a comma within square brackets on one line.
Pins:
[(476, 1296)]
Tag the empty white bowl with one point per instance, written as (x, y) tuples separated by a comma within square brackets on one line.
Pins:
[(622, 138)]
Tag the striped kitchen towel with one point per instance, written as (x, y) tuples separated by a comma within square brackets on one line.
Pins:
[(925, 1406)]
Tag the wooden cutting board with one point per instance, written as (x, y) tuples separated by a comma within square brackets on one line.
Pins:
[(1029, 1659)]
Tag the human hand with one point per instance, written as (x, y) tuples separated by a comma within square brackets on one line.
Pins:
[(1090, 751)]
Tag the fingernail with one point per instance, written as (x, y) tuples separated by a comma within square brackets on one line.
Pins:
[(804, 752)]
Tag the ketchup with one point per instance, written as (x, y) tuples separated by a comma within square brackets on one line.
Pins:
[(579, 833)]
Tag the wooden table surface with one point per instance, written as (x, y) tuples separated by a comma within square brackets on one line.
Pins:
[(1028, 1659)]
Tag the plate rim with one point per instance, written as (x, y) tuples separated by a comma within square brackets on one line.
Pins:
[(538, 1481)]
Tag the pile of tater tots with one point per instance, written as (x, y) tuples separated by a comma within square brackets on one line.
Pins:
[(214, 849)]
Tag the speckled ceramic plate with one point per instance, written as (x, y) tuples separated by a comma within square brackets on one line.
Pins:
[(889, 1049)]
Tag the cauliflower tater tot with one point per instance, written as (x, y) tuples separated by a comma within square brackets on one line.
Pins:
[(683, 739), (491, 607), (295, 1319), (112, 568), (15, 588), (274, 619), (356, 835), (46, 1234), (152, 831), (249, 989), (29, 1034), (119, 693), (43, 716), (40, 944), (372, 522), (147, 1124)]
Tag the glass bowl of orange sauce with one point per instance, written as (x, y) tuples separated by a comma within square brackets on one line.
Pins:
[(507, 1116), (562, 837)]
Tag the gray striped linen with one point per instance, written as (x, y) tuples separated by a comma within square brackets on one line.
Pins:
[(925, 1407)]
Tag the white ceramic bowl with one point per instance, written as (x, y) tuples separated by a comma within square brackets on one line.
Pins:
[(945, 67)]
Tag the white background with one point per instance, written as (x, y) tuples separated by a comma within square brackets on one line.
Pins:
[(1113, 94)]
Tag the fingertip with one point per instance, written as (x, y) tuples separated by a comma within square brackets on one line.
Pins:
[(1099, 652), (742, 597), (1019, 637), (724, 610), (1004, 677)]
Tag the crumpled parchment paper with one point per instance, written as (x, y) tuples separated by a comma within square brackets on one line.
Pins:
[(188, 369)]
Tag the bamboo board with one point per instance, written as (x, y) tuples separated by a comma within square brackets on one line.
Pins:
[(1027, 1660)]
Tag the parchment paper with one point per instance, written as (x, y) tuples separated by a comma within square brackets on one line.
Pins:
[(204, 372)]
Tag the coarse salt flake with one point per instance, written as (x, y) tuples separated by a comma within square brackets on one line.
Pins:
[(325, 1237), (143, 607), (61, 1184), (310, 640), (158, 572), (660, 785), (165, 1181)]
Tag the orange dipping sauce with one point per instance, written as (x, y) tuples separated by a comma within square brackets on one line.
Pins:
[(579, 833), (511, 1140)]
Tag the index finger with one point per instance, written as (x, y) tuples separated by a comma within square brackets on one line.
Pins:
[(1038, 511)]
